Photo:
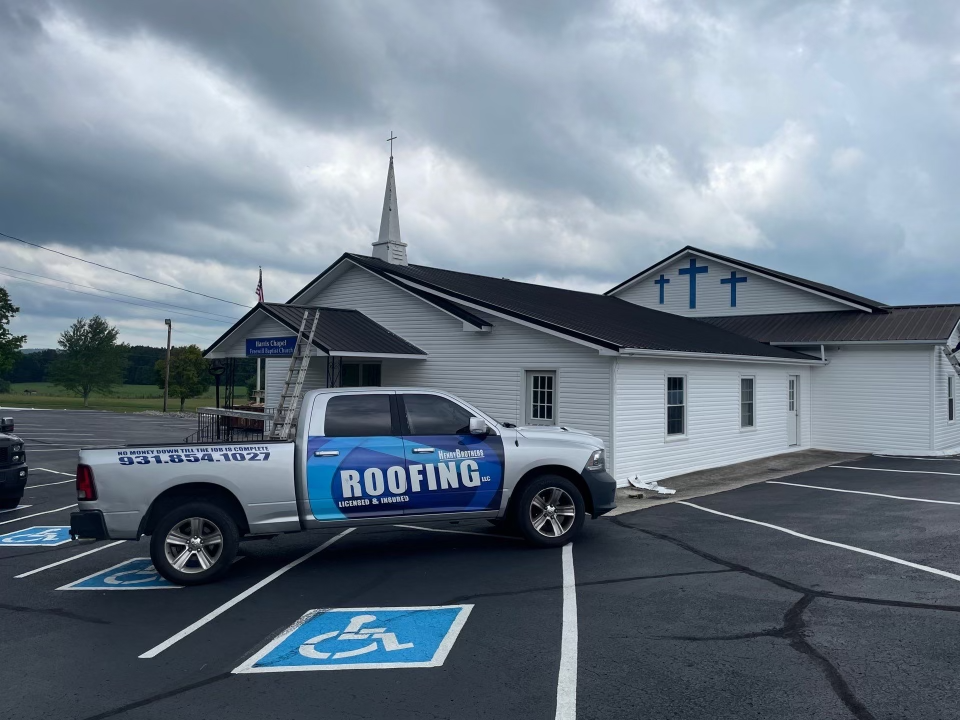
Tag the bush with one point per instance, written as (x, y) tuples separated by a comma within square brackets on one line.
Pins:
[(5, 386)]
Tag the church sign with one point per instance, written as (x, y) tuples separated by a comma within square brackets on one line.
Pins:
[(271, 347)]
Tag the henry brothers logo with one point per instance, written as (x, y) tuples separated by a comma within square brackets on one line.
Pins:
[(379, 488)]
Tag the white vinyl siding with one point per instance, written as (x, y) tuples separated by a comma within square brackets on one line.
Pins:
[(947, 433), (712, 399), (275, 372), (874, 399), (486, 369), (758, 296)]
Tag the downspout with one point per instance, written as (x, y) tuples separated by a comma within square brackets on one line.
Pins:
[(611, 455), (933, 397)]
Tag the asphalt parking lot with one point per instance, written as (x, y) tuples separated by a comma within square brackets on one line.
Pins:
[(786, 599)]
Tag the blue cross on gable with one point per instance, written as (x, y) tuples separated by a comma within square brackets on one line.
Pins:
[(733, 281), (661, 282), (693, 271)]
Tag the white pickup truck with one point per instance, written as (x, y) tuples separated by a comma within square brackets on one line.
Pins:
[(361, 456)]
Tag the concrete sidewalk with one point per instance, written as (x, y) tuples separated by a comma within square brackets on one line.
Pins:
[(707, 482)]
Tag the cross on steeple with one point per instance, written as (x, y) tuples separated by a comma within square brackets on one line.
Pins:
[(693, 271), (390, 140), (733, 281)]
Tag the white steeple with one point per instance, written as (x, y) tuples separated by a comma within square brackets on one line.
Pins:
[(388, 246)]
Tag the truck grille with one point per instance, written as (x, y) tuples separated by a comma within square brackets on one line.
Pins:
[(4, 455)]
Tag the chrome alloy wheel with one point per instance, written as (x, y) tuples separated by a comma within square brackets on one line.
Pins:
[(193, 545), (552, 512)]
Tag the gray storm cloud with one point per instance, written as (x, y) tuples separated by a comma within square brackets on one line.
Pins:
[(572, 143)]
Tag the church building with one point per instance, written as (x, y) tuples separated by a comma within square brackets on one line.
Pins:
[(699, 361)]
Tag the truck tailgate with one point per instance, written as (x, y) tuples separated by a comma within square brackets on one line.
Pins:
[(259, 474)]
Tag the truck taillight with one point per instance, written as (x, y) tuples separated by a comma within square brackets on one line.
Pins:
[(86, 488)]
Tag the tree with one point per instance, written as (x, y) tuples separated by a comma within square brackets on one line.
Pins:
[(9, 344), (90, 358), (189, 376)]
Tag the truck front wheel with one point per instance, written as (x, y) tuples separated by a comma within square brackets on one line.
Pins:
[(550, 512), (194, 543)]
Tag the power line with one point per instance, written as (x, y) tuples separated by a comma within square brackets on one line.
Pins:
[(123, 272), (114, 292), (125, 302)]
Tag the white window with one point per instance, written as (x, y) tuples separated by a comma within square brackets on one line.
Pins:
[(541, 397), (676, 405), (951, 402), (747, 402)]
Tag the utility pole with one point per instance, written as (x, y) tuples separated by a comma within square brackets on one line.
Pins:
[(166, 381)]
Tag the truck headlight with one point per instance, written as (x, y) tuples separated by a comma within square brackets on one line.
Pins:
[(17, 448), (596, 461)]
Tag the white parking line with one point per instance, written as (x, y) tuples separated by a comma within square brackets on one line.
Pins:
[(154, 651), (45, 512), (861, 492), (567, 679), (915, 472), (55, 472), (458, 532), (871, 553), (69, 559), (61, 482)]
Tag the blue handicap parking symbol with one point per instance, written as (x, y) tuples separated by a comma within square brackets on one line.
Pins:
[(33, 536), (363, 638), (135, 574)]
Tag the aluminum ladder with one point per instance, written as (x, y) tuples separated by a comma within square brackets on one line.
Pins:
[(285, 416)]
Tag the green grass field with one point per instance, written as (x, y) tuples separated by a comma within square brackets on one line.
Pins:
[(124, 398)]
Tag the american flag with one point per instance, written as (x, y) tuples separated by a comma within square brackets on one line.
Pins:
[(260, 287)]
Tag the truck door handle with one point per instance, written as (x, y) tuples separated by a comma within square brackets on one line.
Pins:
[(326, 453), (423, 450)]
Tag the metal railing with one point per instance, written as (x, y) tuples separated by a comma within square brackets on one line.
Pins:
[(230, 425)]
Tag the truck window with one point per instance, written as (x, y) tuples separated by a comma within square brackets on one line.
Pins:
[(358, 416), (433, 415)]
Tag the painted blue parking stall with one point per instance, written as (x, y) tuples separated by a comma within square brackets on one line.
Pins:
[(363, 639), (39, 535), (18, 507), (133, 574)]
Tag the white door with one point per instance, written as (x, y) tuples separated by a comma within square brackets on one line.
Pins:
[(793, 409)]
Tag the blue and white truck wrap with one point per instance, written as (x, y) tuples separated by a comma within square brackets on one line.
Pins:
[(361, 456)]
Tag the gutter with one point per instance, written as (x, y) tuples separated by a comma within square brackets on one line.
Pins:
[(681, 355)]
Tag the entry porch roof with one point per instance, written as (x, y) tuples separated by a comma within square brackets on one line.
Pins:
[(339, 333)]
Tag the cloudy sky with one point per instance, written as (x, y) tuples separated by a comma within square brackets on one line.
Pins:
[(568, 142)]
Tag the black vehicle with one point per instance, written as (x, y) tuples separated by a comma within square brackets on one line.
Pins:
[(13, 466)]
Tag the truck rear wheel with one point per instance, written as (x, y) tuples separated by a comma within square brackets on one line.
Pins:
[(550, 511), (194, 543)]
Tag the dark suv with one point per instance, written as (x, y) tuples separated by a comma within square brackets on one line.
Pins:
[(13, 466)]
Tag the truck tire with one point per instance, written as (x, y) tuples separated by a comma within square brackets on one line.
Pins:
[(9, 503), (194, 543), (550, 511)]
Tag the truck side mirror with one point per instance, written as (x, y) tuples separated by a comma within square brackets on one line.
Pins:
[(6, 425), (478, 426)]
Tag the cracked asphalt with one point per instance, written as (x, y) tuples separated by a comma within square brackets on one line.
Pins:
[(682, 613)]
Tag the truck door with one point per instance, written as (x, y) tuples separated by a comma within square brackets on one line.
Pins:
[(449, 470), (358, 460)]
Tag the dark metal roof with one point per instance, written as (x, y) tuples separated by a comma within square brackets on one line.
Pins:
[(338, 331), (899, 324), (608, 322), (793, 279)]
